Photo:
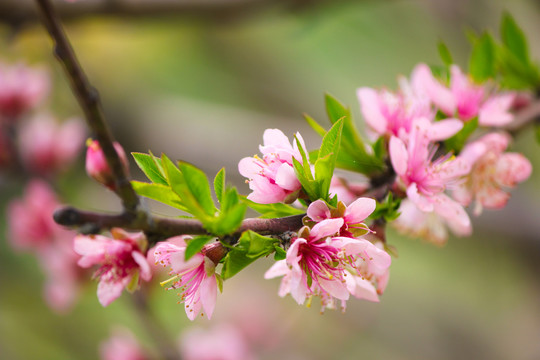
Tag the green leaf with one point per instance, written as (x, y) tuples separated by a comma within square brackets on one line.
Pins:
[(315, 125), (219, 184), (331, 141), (280, 253), (309, 185), (482, 60), (387, 209), (196, 244), (250, 247), (275, 210), (197, 183), (444, 53), (227, 222), (537, 133), (149, 165), (158, 192), (514, 39), (456, 142), (324, 169)]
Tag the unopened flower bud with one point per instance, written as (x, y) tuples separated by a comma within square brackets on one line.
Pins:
[(97, 166)]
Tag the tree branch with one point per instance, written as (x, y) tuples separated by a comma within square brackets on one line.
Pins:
[(160, 228), (88, 99)]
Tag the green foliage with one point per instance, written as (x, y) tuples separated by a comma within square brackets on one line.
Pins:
[(456, 142), (482, 59), (514, 39), (196, 244), (151, 166), (352, 154), (444, 53), (275, 210), (537, 133), (187, 188), (388, 209), (250, 247)]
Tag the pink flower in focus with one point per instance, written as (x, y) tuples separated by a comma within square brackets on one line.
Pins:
[(352, 215), (425, 180), (121, 261), (195, 278), (222, 342), (47, 147), (122, 345), (272, 178), (389, 114), (21, 89), (493, 170), (463, 98), (97, 166)]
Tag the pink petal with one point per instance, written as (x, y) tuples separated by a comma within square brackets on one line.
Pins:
[(286, 178), (359, 210), (179, 264), (496, 110), (361, 288), (444, 129), (419, 200), (140, 259), (369, 103), (318, 211), (335, 287), (426, 85), (326, 228), (247, 167), (108, 291), (453, 213), (279, 268), (398, 155), (208, 293), (512, 168)]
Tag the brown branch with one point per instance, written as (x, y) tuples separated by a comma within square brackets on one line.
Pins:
[(525, 117), (160, 228), (88, 99)]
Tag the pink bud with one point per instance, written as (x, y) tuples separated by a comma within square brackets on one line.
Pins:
[(96, 163)]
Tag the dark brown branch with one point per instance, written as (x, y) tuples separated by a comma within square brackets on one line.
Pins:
[(160, 228), (88, 99)]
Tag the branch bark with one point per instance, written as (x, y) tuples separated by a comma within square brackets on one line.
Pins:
[(88, 99)]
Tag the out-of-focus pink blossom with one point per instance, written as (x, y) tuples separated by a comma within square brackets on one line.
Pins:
[(21, 89), (346, 191), (31, 228), (425, 180), (47, 147), (272, 178), (390, 114), (122, 345), (97, 166), (493, 170), (195, 278), (121, 261), (222, 342), (31, 225), (427, 225), (464, 99)]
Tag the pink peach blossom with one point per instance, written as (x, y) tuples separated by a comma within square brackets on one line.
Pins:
[(272, 178), (222, 342), (393, 114), (195, 278), (47, 147), (97, 166), (122, 345), (425, 180), (318, 263), (463, 98), (493, 171), (22, 88), (121, 261), (346, 191)]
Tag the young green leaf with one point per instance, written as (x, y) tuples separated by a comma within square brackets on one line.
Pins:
[(276, 210), (315, 125), (148, 164), (196, 244), (159, 193), (219, 185), (456, 142), (482, 60), (444, 53), (227, 222), (514, 39), (197, 183)]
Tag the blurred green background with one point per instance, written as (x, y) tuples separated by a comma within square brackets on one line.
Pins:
[(202, 88)]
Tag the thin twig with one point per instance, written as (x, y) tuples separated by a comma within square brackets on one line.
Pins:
[(160, 228), (88, 99)]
